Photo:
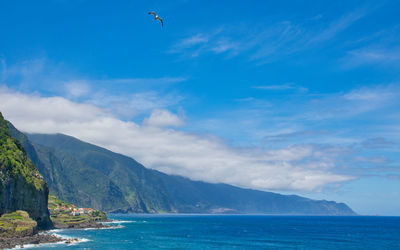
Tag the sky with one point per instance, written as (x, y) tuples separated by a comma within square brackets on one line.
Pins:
[(295, 97)]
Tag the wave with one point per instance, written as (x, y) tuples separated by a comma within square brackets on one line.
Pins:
[(65, 240), (52, 231), (104, 228), (37, 245), (119, 221)]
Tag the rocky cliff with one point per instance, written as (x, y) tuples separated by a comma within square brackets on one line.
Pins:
[(21, 185)]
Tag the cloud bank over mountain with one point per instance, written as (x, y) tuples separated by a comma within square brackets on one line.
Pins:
[(159, 146)]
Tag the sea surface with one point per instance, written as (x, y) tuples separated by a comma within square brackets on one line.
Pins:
[(238, 232)]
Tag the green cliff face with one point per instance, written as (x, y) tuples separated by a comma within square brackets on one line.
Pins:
[(21, 185)]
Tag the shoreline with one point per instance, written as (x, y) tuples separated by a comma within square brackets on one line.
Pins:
[(94, 224), (49, 237), (10, 243)]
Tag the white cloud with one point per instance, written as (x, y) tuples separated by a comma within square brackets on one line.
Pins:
[(45, 76), (372, 55), (193, 40), (128, 105), (77, 88), (339, 25), (371, 98), (377, 159), (357, 102), (269, 41), (377, 142), (169, 150), (378, 49), (288, 86), (124, 97), (140, 81), (163, 118)]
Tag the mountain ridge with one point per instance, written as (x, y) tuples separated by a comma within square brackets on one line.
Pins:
[(138, 189)]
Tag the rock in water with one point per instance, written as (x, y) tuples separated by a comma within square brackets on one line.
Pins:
[(21, 185)]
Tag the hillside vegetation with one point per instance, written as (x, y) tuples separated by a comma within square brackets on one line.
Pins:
[(65, 215), (21, 185), (17, 224)]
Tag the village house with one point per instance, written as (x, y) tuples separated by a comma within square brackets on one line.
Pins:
[(75, 213)]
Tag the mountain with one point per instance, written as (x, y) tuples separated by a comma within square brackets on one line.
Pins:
[(21, 185), (91, 176)]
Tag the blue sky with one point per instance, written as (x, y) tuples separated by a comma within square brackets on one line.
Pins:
[(291, 96)]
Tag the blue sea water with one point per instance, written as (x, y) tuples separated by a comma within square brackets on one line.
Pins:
[(240, 232)]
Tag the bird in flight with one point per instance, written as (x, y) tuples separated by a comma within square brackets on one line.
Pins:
[(156, 17)]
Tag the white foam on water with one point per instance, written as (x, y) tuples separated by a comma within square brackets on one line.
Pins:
[(65, 239), (52, 231), (53, 244), (38, 245), (105, 228), (119, 222)]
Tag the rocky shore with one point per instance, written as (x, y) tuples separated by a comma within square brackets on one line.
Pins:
[(18, 229), (34, 239), (83, 225), (43, 237)]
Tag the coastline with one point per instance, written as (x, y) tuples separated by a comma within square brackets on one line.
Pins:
[(9, 243), (49, 237), (84, 225)]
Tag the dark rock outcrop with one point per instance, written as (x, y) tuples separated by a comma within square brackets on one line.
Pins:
[(13, 242)]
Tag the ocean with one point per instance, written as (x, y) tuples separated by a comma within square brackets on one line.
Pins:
[(238, 232)]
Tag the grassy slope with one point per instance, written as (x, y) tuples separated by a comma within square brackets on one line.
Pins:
[(14, 161), (21, 185), (16, 224), (66, 219)]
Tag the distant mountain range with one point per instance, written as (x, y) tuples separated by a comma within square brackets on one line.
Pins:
[(91, 176)]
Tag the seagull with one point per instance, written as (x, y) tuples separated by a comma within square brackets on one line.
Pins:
[(156, 17)]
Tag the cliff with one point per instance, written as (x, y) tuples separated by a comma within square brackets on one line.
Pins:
[(21, 185)]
